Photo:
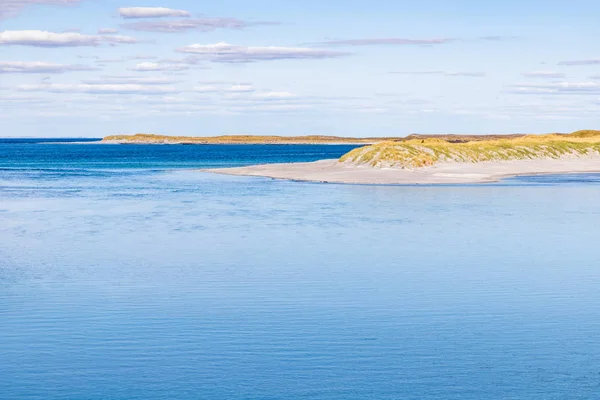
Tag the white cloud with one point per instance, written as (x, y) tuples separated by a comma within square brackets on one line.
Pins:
[(101, 61), (152, 66), (544, 74), (227, 53), (274, 96), (107, 31), (7, 99), (174, 26), (591, 61), (207, 89), (558, 88), (119, 39), (53, 39), (130, 80), (11, 8), (38, 67), (466, 74), (151, 12), (215, 82), (142, 57), (241, 89), (97, 88)]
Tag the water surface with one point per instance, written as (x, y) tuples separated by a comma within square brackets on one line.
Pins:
[(126, 274)]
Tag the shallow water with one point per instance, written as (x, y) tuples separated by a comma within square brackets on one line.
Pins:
[(126, 275)]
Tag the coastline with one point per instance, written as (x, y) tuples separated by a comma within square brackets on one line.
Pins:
[(333, 171), (146, 138), (111, 142)]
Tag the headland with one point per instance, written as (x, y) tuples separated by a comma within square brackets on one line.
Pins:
[(142, 138), (427, 160)]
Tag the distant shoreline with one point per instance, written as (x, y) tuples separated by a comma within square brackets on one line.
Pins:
[(238, 144), (239, 139), (142, 138)]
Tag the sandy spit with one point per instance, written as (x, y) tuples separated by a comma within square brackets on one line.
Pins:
[(335, 172)]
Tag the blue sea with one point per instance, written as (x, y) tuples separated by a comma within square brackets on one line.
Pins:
[(126, 273)]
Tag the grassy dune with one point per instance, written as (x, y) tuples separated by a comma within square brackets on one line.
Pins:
[(416, 153)]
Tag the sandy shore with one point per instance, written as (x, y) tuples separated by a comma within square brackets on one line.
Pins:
[(335, 172)]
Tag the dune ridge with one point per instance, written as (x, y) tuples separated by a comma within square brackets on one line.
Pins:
[(418, 153)]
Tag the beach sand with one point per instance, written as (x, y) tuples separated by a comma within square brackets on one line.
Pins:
[(336, 172)]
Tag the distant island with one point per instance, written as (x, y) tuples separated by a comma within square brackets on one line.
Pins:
[(142, 138), (145, 138), (446, 159)]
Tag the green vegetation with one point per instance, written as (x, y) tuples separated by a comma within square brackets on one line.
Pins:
[(416, 153)]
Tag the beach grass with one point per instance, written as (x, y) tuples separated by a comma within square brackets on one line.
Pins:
[(427, 152)]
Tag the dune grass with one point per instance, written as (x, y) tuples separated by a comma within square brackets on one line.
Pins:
[(428, 152)]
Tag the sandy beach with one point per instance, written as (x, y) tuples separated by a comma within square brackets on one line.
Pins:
[(335, 172)]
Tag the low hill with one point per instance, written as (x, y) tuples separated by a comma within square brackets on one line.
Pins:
[(141, 138), (423, 152), (144, 138)]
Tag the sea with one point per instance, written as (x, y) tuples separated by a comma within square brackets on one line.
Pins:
[(128, 273)]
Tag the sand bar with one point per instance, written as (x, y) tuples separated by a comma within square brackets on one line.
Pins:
[(335, 172)]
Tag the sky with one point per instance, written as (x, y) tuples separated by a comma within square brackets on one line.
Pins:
[(92, 68)]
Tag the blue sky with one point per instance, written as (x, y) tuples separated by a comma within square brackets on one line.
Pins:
[(90, 68)]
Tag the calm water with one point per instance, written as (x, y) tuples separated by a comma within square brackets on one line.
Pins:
[(125, 274)]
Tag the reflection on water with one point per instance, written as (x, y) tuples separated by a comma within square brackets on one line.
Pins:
[(175, 284)]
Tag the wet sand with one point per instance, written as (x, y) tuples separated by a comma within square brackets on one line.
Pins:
[(336, 172)]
